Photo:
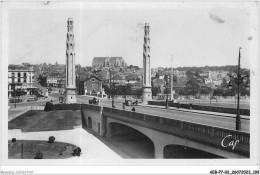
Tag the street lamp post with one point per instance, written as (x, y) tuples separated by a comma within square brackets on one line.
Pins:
[(111, 95), (167, 100), (238, 80), (113, 101), (167, 84), (109, 84), (14, 98)]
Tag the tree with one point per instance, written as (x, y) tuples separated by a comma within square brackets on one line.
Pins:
[(224, 83), (189, 73), (182, 91), (18, 93), (139, 92), (206, 90), (42, 80), (192, 86), (166, 91), (156, 90), (218, 92), (106, 88), (128, 89), (174, 79), (197, 75), (117, 90)]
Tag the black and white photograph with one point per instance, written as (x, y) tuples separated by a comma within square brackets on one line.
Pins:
[(119, 83)]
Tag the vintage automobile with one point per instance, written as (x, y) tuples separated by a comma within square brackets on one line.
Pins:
[(131, 103), (94, 101)]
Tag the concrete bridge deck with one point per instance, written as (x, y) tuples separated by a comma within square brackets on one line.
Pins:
[(221, 120), (173, 130)]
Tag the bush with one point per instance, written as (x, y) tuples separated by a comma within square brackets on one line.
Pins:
[(48, 106), (38, 155), (13, 139), (67, 106), (51, 139), (77, 152)]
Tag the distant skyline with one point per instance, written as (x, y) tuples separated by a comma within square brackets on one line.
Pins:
[(196, 34)]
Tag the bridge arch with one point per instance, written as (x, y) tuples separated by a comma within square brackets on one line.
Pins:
[(117, 130), (162, 139)]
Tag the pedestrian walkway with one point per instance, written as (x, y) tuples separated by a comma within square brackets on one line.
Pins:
[(91, 147), (197, 111)]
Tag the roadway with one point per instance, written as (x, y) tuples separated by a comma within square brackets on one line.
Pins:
[(219, 120), (230, 103)]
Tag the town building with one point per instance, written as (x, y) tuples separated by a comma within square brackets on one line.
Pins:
[(20, 77), (104, 74), (108, 62), (117, 79), (215, 78), (56, 80), (93, 87), (61, 82), (178, 73)]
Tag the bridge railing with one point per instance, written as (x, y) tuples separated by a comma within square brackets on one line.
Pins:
[(201, 132), (91, 107)]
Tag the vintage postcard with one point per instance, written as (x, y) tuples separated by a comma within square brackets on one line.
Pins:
[(112, 84)]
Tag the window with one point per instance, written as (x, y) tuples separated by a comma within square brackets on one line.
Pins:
[(93, 79), (19, 74)]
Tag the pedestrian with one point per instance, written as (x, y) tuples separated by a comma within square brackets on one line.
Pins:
[(123, 105), (133, 109), (178, 105), (190, 106)]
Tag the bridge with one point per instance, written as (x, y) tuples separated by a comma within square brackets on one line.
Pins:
[(168, 137)]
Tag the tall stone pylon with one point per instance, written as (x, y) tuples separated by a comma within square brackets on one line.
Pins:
[(70, 65), (147, 88)]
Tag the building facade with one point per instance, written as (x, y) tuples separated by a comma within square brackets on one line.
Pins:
[(20, 79), (108, 62), (93, 86), (56, 80)]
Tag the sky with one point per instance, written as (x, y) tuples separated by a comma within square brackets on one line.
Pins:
[(194, 34)]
